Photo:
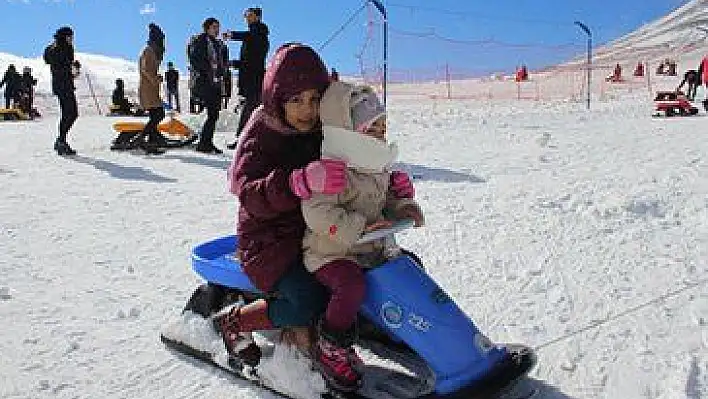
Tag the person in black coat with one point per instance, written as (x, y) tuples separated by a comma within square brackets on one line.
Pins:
[(251, 65), (172, 83), (60, 57), (26, 92), (119, 99), (11, 81), (206, 60), (692, 78)]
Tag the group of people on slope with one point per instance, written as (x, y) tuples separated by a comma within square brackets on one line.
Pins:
[(19, 89), (208, 59)]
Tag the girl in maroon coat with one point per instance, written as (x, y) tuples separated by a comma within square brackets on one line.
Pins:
[(277, 162), (281, 140)]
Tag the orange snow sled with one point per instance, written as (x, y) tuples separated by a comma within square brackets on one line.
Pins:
[(130, 134), (173, 127)]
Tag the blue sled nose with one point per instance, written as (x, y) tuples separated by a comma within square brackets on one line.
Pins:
[(405, 302)]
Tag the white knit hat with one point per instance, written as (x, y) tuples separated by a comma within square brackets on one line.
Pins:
[(366, 108)]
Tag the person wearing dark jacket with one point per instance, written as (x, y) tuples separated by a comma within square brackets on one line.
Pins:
[(64, 69), (172, 83), (11, 81), (119, 99), (692, 79), (251, 64), (206, 60), (149, 89), (26, 92)]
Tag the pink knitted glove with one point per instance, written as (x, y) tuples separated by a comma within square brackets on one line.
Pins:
[(401, 185), (326, 176)]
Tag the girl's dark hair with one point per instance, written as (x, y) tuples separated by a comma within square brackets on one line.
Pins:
[(209, 22)]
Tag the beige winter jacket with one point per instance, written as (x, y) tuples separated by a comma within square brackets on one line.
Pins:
[(336, 222), (149, 87)]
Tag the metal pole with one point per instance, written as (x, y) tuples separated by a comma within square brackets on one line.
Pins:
[(379, 5), (589, 62)]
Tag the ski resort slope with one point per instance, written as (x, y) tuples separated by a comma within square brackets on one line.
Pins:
[(552, 226), (581, 233)]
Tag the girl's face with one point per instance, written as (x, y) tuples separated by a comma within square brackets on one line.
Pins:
[(302, 111), (377, 129)]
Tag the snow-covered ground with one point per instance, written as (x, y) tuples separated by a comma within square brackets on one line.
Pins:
[(582, 234)]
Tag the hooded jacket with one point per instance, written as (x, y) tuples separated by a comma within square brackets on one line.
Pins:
[(336, 222), (270, 223)]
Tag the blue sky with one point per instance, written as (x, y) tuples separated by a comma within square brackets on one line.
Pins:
[(424, 35)]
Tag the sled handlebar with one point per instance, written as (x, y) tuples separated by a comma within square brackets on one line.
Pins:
[(397, 227)]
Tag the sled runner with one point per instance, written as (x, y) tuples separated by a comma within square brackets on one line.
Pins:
[(452, 359)]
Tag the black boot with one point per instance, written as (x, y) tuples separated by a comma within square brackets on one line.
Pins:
[(63, 148)]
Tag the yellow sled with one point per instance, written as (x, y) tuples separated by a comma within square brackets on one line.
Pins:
[(12, 114)]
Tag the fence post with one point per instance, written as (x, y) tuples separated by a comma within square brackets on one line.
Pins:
[(447, 79)]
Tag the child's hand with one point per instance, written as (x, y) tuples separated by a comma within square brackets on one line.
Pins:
[(377, 225), (401, 185), (411, 212)]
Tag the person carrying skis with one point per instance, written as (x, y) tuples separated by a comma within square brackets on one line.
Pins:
[(64, 68), (354, 128), (149, 89), (206, 60)]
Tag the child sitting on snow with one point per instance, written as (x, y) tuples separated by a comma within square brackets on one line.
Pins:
[(354, 128)]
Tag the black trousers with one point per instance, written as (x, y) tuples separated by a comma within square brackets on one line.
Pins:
[(212, 101), (157, 114), (69, 113), (249, 106)]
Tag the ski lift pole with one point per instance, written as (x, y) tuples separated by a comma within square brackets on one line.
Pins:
[(93, 94), (589, 71), (380, 7)]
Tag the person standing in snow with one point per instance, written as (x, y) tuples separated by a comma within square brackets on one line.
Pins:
[(64, 68), (251, 64), (354, 129), (206, 60), (149, 89), (11, 81), (26, 92), (692, 79), (172, 84)]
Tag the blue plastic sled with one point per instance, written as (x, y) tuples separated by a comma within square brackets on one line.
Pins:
[(404, 301)]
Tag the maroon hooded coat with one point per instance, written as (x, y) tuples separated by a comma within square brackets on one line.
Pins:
[(270, 222)]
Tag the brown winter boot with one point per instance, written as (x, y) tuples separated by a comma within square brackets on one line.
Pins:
[(301, 338), (235, 325)]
